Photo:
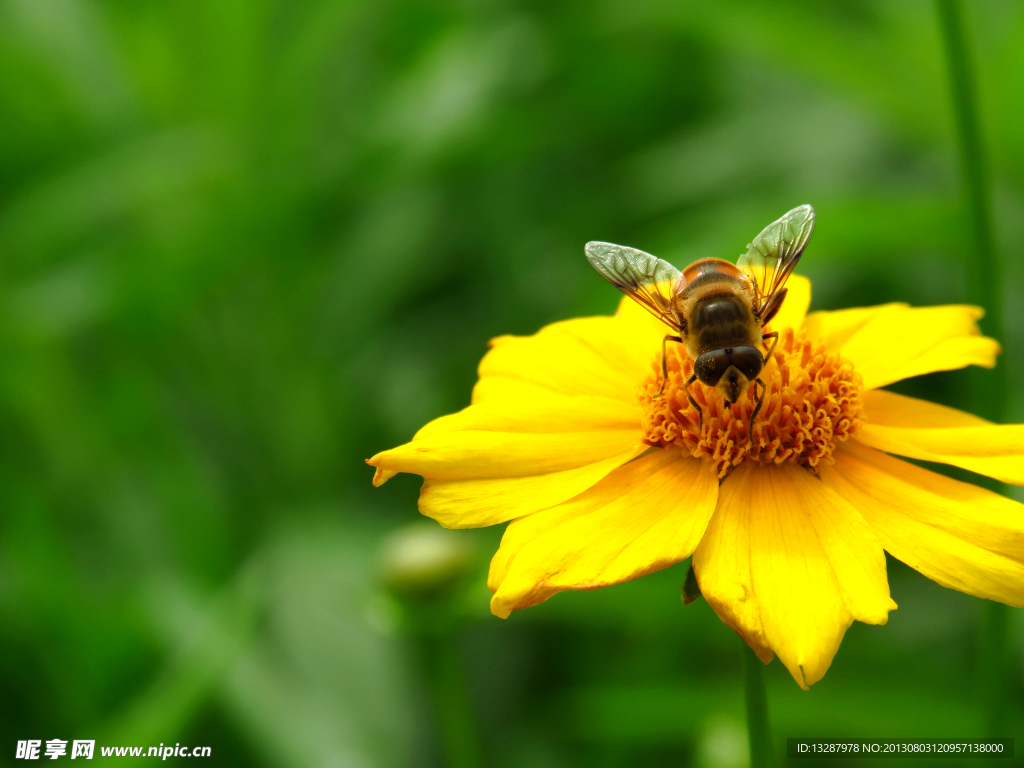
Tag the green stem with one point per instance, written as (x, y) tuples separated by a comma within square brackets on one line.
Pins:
[(984, 283), (455, 720), (983, 269), (994, 655), (761, 754)]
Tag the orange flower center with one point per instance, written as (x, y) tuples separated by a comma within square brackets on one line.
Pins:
[(812, 401)]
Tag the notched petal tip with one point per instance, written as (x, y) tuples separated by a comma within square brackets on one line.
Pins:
[(382, 475)]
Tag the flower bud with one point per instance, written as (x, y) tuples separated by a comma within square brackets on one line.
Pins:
[(424, 560)]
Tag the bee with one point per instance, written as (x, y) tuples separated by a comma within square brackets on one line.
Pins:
[(717, 310)]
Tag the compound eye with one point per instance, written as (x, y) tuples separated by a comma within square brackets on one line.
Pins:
[(749, 360), (710, 366)]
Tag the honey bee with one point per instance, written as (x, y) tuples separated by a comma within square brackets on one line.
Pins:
[(717, 310)]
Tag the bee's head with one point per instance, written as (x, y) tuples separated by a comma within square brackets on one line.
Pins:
[(729, 370)]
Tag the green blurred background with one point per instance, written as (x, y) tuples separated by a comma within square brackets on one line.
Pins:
[(246, 244)]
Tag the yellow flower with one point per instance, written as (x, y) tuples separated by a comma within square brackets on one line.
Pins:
[(604, 482)]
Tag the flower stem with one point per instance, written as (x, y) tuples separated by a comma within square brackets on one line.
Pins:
[(993, 667), (984, 271), (984, 287), (761, 754), (440, 663)]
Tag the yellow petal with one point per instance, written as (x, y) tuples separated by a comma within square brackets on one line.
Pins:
[(957, 534), (794, 306), (475, 453), (562, 399), (888, 409), (922, 430), (493, 390), (478, 503), (530, 409), (895, 342), (644, 516), (647, 328), (506, 405), (789, 565), (834, 329), (598, 356)]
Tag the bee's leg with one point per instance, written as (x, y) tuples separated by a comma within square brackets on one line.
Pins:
[(664, 363), (774, 336), (700, 413), (757, 408)]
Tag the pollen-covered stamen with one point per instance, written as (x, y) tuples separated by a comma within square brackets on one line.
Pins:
[(813, 400)]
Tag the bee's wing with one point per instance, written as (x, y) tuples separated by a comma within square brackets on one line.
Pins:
[(648, 280), (770, 259)]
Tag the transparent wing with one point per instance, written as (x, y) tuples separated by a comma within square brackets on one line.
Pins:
[(770, 259), (648, 280)]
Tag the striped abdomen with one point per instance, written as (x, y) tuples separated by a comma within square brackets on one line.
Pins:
[(723, 320)]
